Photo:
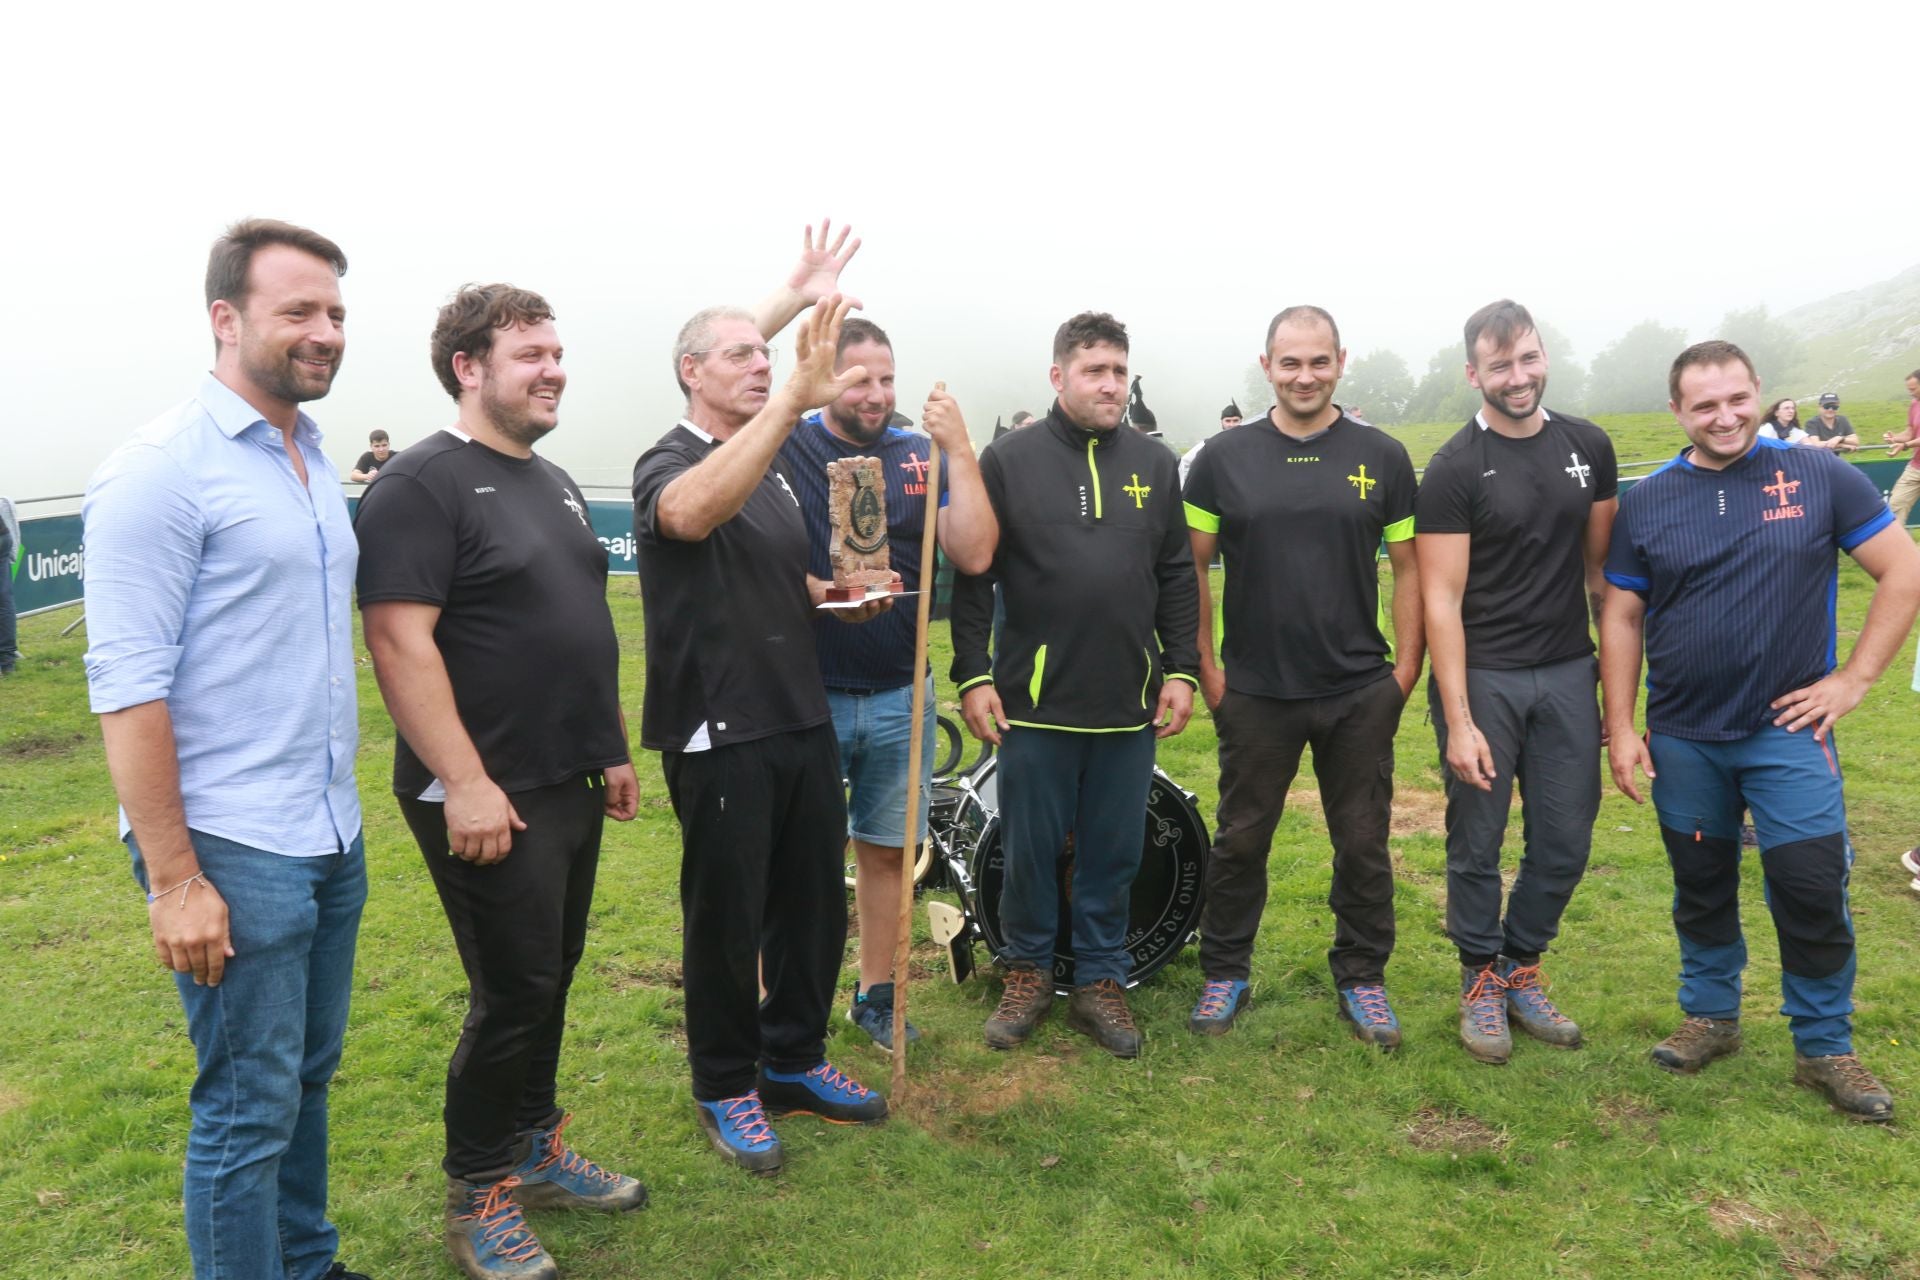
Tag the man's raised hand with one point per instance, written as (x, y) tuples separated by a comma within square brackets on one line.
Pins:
[(817, 274), (813, 382)]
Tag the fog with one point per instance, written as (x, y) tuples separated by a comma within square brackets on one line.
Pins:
[(1005, 164)]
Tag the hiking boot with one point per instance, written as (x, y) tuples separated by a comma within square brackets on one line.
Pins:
[(1220, 1003), (739, 1131), (1366, 1008), (554, 1176), (1483, 1014), (1529, 1008), (872, 1012), (1696, 1042), (821, 1092), (1849, 1086), (488, 1237), (1100, 1010), (1024, 1000)]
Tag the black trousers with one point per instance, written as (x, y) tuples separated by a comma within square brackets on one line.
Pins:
[(1261, 740), (763, 827), (520, 925)]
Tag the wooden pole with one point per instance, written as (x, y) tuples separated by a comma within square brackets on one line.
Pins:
[(916, 746)]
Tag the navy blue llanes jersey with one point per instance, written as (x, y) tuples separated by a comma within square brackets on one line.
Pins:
[(1740, 572)]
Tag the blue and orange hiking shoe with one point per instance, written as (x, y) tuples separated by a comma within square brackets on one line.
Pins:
[(872, 1012), (554, 1176), (822, 1092), (488, 1237), (1529, 1008), (1366, 1008), (739, 1131), (1221, 1001), (1483, 1014)]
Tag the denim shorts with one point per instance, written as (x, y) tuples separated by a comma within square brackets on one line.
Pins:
[(873, 729)]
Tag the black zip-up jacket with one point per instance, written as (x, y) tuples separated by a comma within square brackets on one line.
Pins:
[(1097, 575)]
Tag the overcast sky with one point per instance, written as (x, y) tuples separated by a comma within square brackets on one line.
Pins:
[(1191, 168)]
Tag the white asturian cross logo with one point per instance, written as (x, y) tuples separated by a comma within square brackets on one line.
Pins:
[(1579, 470), (573, 504)]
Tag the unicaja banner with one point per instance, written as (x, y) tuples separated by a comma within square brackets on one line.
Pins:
[(48, 564)]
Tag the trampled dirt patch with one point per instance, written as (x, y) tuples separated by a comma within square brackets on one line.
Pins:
[(1416, 810), (624, 976), (1623, 1117), (42, 746), (1025, 1078), (1807, 1249), (1435, 1130)]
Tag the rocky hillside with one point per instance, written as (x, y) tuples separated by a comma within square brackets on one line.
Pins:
[(1862, 343)]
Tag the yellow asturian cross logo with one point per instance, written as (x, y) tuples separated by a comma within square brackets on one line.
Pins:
[(1363, 482), (1137, 491)]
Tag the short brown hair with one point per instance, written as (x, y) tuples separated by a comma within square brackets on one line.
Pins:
[(1503, 322), (467, 323), (1087, 329), (1709, 354), (232, 256), (377, 436), (854, 330), (1302, 315)]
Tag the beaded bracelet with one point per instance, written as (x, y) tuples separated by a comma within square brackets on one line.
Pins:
[(184, 886)]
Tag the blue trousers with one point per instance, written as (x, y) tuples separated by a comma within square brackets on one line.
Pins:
[(266, 1042), (1093, 785), (1792, 786), (9, 622)]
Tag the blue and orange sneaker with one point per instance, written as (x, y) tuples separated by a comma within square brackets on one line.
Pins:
[(1366, 1008), (739, 1131), (822, 1092), (1220, 1003), (554, 1176), (488, 1237), (1529, 1009)]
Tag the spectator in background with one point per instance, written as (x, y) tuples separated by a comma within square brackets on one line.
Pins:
[(1783, 422), (1024, 418), (379, 449), (9, 548), (1229, 419), (1905, 490), (1829, 429)]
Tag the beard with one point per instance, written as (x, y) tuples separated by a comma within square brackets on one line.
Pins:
[(281, 378), (850, 426), (1500, 406), (516, 425)]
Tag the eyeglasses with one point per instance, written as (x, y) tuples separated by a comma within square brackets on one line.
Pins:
[(741, 354)]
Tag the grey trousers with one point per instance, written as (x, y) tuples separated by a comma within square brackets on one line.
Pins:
[(1542, 725)]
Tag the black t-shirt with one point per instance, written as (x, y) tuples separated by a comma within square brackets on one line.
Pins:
[(1817, 427), (1300, 526), (503, 546), (730, 653), (1525, 505), (369, 463)]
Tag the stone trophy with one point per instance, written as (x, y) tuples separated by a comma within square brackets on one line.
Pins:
[(858, 550)]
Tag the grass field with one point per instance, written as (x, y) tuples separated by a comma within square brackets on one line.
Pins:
[(1285, 1149)]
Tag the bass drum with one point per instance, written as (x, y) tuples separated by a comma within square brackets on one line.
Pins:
[(1165, 910)]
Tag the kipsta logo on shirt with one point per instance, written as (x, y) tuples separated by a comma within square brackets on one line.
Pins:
[(1782, 488), (573, 504), (1579, 470), (1363, 482)]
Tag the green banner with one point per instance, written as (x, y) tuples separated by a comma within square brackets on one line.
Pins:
[(47, 564)]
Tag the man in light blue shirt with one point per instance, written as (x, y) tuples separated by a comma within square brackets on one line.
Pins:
[(220, 567)]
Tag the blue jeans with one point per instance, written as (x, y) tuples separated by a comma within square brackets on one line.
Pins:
[(266, 1042), (874, 729), (1094, 785), (1792, 786)]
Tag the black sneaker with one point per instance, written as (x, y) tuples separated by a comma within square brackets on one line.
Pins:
[(1024, 1000), (872, 1012), (1099, 1009), (338, 1271)]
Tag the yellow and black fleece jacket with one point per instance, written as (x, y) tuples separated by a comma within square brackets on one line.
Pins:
[(1096, 573)]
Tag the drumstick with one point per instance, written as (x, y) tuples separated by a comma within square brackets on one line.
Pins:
[(916, 744)]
